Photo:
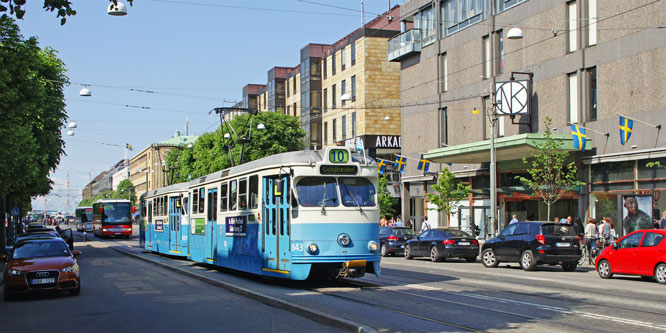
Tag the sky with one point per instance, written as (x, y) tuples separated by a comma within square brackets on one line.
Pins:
[(165, 61)]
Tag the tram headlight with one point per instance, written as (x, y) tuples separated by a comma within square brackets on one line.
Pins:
[(372, 246), (313, 248), (344, 240)]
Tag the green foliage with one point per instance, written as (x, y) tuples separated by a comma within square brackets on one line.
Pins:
[(210, 152), (386, 200), (125, 190), (550, 176), (654, 164), (62, 8), (33, 109), (448, 194)]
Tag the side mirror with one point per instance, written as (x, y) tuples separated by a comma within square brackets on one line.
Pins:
[(76, 253), (616, 245)]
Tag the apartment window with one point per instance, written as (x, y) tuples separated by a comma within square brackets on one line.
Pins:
[(343, 63), (295, 108), (333, 97), (325, 69), (343, 124), (335, 136), (591, 22), (573, 97), (325, 99), (444, 126), (500, 51), (424, 20), (353, 53), (353, 88), (294, 86), (287, 88), (486, 123), (333, 63), (572, 23), (592, 93), (487, 60), (315, 99), (444, 67), (502, 5), (325, 133), (315, 70), (353, 124), (289, 109), (343, 89), (459, 14)]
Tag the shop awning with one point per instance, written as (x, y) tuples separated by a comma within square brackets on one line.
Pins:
[(506, 149)]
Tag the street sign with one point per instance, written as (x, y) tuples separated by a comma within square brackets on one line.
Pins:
[(511, 98)]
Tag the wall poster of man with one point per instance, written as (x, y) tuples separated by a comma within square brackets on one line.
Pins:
[(634, 216)]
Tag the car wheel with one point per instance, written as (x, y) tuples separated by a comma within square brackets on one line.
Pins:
[(471, 259), (408, 252), (75, 292), (488, 258), (604, 269), (660, 273), (384, 250), (527, 261), (434, 254), (569, 266)]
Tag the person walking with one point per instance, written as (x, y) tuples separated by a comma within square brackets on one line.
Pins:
[(382, 222), (613, 234), (590, 238), (514, 219), (425, 225), (398, 221), (662, 224)]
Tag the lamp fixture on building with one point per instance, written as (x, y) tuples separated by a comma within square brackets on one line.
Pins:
[(261, 126), (387, 117), (515, 33), (116, 9)]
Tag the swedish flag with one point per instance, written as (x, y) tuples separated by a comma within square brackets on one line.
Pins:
[(626, 125), (579, 137), (381, 166), (128, 146), (424, 165), (399, 163)]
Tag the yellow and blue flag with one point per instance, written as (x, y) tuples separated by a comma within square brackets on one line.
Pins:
[(424, 165), (399, 163), (626, 125), (128, 146), (579, 137), (381, 166)]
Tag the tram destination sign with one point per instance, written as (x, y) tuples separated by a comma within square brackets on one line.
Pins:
[(338, 169)]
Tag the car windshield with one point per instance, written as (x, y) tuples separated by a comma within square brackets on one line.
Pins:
[(41, 249), (558, 230), (402, 232)]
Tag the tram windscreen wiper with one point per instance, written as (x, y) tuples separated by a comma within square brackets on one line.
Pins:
[(353, 198), (323, 201)]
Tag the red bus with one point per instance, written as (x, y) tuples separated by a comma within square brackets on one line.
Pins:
[(112, 217)]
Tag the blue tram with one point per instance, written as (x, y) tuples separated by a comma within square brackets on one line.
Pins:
[(290, 215)]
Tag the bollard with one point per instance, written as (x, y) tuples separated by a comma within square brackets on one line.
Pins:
[(84, 236)]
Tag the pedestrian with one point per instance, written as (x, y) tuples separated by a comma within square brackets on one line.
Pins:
[(662, 224), (391, 222), (398, 221), (382, 222), (425, 225), (578, 226), (514, 219), (408, 224), (556, 220), (613, 234), (569, 220), (605, 232), (590, 237)]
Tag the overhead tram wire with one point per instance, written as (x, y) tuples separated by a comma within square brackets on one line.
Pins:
[(136, 106), (252, 8)]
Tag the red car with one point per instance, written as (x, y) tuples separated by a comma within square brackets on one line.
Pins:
[(641, 253), (41, 265)]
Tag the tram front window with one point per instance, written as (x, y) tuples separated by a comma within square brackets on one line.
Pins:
[(357, 192), (317, 192)]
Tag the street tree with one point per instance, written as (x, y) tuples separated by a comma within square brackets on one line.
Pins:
[(125, 190), (62, 8), (448, 193), (550, 176), (385, 199)]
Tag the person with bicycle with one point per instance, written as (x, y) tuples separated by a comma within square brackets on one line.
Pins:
[(590, 237)]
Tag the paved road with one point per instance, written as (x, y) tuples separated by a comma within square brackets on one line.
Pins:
[(122, 294)]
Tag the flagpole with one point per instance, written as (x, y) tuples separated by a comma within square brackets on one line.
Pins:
[(640, 121), (591, 130)]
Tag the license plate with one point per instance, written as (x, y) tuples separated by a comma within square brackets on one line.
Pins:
[(463, 243), (559, 244), (42, 281)]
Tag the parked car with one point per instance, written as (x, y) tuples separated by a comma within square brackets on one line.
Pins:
[(41, 265), (534, 243), (65, 234), (392, 239), (641, 253), (441, 243)]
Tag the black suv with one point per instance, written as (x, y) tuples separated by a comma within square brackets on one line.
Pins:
[(533, 243), (392, 239)]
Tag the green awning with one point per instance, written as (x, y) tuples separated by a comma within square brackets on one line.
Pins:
[(506, 148)]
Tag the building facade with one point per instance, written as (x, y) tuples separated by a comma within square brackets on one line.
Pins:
[(584, 62)]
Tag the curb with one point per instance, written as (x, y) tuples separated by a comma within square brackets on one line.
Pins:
[(312, 314)]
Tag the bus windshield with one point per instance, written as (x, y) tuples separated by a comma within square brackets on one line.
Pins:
[(114, 212), (84, 214)]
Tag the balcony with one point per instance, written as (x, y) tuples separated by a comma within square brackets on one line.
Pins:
[(404, 44)]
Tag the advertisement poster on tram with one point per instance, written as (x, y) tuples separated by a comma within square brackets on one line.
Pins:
[(236, 225), (636, 213)]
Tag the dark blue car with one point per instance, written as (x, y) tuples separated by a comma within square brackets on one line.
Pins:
[(392, 239), (441, 243)]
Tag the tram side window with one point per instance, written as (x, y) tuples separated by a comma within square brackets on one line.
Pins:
[(357, 191), (154, 206), (185, 207), (202, 200), (242, 193), (254, 191), (233, 191), (317, 192), (223, 197), (150, 211), (195, 201), (165, 201)]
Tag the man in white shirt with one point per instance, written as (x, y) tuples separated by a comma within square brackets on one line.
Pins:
[(425, 225), (515, 219)]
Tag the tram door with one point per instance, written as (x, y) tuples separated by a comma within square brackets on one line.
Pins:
[(174, 222), (276, 229), (212, 222), (150, 231)]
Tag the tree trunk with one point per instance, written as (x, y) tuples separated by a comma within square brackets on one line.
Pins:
[(548, 204)]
